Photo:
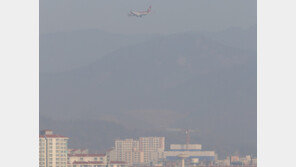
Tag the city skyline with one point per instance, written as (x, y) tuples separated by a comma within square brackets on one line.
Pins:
[(142, 151)]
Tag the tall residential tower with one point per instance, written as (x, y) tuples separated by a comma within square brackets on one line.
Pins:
[(52, 149), (145, 150)]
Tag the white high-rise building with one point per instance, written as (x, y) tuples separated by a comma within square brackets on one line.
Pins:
[(142, 151), (153, 148), (128, 150), (52, 149)]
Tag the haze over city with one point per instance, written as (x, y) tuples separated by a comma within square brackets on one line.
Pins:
[(187, 65)]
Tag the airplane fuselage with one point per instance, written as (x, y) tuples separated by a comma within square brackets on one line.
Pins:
[(140, 13)]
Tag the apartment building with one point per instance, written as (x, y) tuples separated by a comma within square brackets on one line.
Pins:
[(142, 151), (52, 149), (127, 150), (153, 148)]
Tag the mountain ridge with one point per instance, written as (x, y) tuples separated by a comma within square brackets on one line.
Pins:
[(183, 80)]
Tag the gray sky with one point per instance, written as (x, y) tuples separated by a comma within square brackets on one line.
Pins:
[(168, 16)]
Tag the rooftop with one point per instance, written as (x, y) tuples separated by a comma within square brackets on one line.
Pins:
[(52, 136), (87, 162), (86, 155)]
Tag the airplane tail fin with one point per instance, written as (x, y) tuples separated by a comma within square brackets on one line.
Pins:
[(149, 9)]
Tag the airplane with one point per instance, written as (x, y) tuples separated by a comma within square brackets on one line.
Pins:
[(140, 13)]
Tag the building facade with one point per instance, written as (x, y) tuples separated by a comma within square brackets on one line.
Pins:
[(87, 157), (93, 160), (98, 164), (127, 150), (145, 150), (185, 147), (52, 149), (193, 152), (153, 148)]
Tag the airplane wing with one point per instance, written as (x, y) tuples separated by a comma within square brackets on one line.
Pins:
[(132, 13)]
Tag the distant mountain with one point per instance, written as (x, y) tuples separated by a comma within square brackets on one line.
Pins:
[(64, 51), (236, 37), (184, 80)]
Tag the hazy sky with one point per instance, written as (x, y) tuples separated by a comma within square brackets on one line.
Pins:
[(114, 85), (168, 16)]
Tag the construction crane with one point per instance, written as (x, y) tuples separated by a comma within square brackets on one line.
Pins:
[(187, 138), (187, 134)]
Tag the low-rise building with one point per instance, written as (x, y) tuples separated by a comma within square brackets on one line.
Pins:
[(98, 164), (185, 147), (95, 160), (117, 164), (87, 164), (193, 152)]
